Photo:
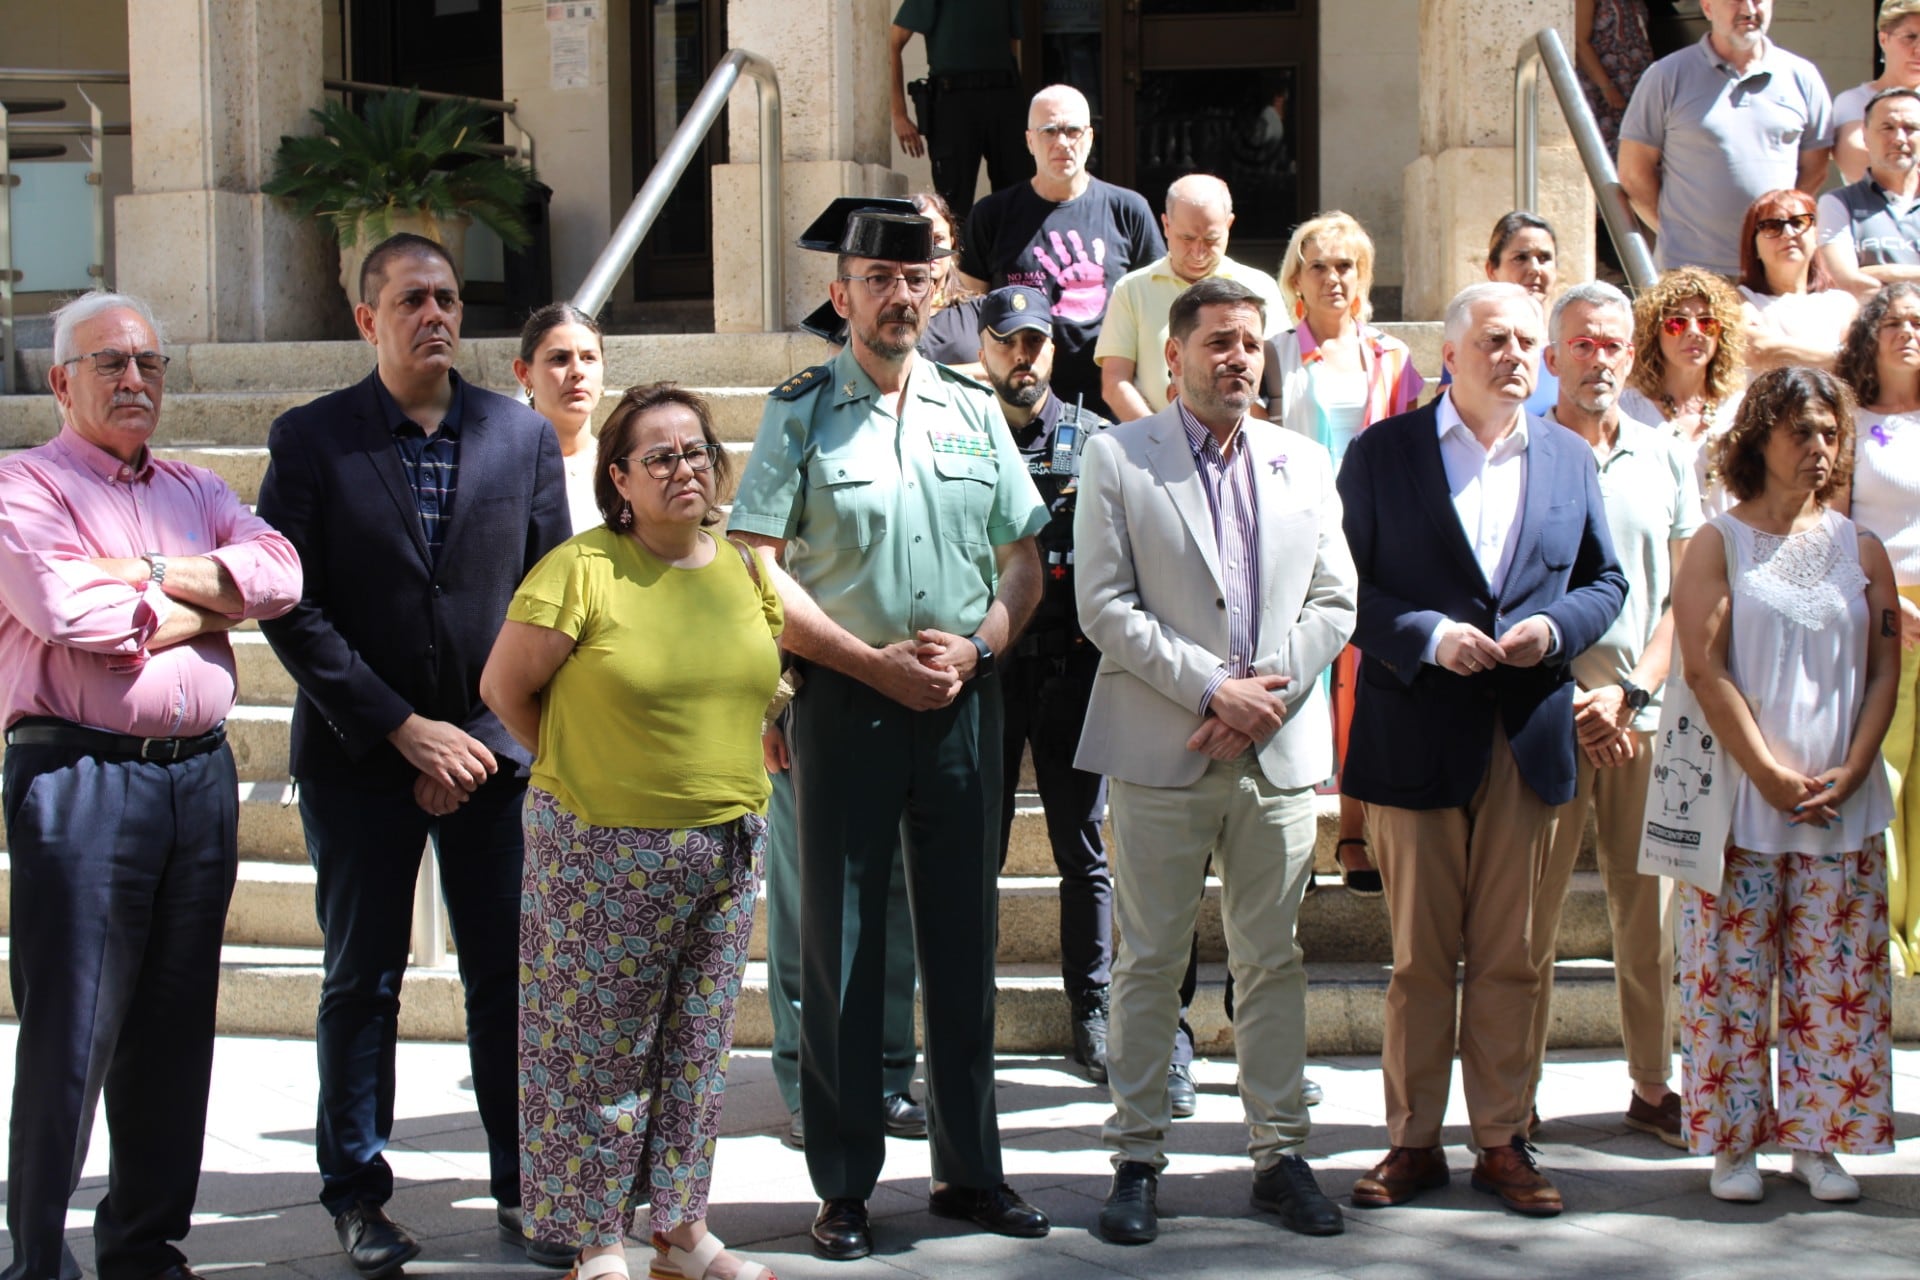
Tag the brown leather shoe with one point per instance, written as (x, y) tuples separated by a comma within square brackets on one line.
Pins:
[(1510, 1173), (1404, 1174), (1663, 1121)]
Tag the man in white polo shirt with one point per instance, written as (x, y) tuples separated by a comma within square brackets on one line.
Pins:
[(1132, 350), (1717, 124)]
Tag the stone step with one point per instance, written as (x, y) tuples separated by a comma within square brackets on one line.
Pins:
[(691, 359), (275, 991), (241, 419)]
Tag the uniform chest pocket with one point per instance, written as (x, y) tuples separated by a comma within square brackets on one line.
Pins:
[(965, 496), (846, 502)]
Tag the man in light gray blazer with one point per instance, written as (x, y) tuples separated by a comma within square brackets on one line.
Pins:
[(1214, 578)]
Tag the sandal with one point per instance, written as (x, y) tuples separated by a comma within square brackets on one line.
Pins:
[(607, 1264), (671, 1262), (1364, 882)]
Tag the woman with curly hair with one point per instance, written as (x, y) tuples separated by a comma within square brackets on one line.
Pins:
[(1792, 311), (1881, 361), (1686, 369), (1788, 628), (645, 639)]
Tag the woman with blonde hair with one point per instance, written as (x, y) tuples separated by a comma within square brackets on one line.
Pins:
[(1329, 377), (1687, 348), (1898, 28)]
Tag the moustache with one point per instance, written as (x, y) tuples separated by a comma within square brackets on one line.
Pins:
[(900, 315), (132, 400)]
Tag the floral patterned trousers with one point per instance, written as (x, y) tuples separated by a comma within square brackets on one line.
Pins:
[(632, 943), (1818, 924)]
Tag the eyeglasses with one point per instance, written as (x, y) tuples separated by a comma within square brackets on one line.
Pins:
[(661, 466), (1071, 132), (112, 364), (1910, 324), (1774, 228), (1678, 323), (882, 286), (1588, 349)]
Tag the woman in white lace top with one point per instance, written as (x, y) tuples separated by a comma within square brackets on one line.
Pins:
[(1788, 626)]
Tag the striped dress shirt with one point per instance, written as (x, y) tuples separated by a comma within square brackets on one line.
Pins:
[(1228, 481)]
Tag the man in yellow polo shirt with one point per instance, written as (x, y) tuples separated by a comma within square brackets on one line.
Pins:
[(1132, 349), (905, 514)]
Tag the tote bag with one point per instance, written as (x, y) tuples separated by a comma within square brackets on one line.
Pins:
[(1689, 809)]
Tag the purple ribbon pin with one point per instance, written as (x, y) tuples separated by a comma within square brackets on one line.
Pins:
[(1277, 463), (1879, 433)]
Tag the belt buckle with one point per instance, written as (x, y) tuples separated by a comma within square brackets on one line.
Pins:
[(146, 745)]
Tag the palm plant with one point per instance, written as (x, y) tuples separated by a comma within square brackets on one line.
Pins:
[(361, 170)]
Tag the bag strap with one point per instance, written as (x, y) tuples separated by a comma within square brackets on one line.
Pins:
[(748, 558)]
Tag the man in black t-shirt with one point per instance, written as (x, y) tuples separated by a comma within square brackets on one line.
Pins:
[(1065, 233)]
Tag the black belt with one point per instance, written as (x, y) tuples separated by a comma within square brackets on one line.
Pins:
[(954, 81), (46, 731)]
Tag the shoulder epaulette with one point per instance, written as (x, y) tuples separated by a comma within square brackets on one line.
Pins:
[(964, 379), (801, 383)]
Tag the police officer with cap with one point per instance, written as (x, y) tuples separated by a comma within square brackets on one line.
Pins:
[(901, 507), (1047, 677)]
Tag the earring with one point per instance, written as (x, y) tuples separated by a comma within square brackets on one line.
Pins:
[(527, 391), (626, 514), (1299, 309)]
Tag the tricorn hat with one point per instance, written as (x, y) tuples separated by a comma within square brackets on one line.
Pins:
[(883, 227)]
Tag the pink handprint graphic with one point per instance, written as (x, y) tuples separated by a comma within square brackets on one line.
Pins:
[(1083, 284)]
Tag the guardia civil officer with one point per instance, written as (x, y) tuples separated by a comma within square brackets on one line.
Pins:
[(902, 506)]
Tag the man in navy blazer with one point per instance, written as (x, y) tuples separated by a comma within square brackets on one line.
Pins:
[(1485, 566), (419, 502)]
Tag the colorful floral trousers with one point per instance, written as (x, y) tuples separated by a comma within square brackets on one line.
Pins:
[(632, 943), (1818, 924)]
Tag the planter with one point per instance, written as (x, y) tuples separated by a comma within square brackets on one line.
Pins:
[(450, 233)]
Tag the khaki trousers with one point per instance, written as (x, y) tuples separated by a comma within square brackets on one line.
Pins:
[(1642, 933), (1261, 841), (1461, 883)]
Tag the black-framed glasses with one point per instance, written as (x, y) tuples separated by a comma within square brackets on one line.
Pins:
[(662, 465), (1070, 132), (1774, 228), (881, 285), (112, 364)]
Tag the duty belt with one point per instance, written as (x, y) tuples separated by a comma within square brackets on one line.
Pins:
[(954, 81)]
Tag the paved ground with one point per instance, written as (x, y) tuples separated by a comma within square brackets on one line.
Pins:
[(1637, 1208)]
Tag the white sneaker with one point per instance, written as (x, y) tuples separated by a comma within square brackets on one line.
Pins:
[(1736, 1177), (1824, 1177)]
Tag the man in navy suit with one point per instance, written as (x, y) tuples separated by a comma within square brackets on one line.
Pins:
[(418, 501), (1485, 566)]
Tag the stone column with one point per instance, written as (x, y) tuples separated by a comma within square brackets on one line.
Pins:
[(1463, 180), (832, 60), (215, 83)]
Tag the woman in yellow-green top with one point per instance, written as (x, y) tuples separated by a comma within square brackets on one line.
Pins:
[(636, 660)]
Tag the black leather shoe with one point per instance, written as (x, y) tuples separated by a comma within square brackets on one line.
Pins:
[(841, 1230), (376, 1245), (1131, 1214), (797, 1133), (1311, 1094), (513, 1230), (999, 1209), (1090, 1032), (1289, 1190), (1181, 1091), (905, 1117)]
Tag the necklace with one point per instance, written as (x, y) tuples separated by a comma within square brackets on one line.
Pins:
[(1708, 407)]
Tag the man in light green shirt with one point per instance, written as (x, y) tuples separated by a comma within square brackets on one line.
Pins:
[(906, 518), (1132, 348)]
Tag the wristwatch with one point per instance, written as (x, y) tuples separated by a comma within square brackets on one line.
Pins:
[(1637, 698), (156, 567), (984, 667)]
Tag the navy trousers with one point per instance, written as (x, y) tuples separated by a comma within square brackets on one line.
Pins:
[(867, 774), (365, 845), (122, 871)]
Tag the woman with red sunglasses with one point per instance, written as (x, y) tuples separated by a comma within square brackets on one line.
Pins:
[(1792, 313), (1688, 342)]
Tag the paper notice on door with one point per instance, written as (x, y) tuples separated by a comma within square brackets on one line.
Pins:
[(567, 52)]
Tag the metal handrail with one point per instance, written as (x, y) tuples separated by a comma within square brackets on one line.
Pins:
[(652, 196), (1544, 48)]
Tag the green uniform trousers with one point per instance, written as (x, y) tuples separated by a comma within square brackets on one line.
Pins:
[(868, 774), (781, 892)]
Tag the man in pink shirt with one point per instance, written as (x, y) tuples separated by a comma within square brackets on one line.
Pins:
[(120, 577)]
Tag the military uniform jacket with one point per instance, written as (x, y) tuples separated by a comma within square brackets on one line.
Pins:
[(890, 523)]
